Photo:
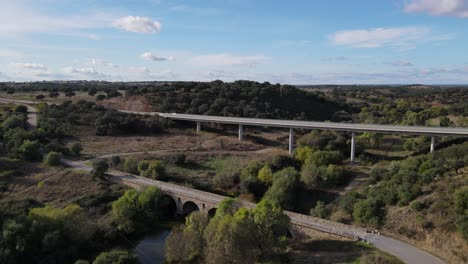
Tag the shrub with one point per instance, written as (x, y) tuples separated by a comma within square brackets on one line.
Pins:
[(30, 150), (21, 109), (115, 161), (252, 169), (418, 206), (76, 149), (368, 212), (303, 153), (319, 210), (131, 165), (143, 167), (53, 158), (116, 257), (265, 174), (312, 175), (100, 168), (156, 169), (100, 97), (178, 159), (284, 187), (322, 157), (282, 161)]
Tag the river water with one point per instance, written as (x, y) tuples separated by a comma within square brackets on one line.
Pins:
[(150, 249)]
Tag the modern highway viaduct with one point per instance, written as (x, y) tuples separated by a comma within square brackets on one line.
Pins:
[(354, 128)]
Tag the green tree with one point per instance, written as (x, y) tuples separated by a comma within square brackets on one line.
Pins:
[(134, 209), (100, 97), (283, 189), (116, 257), (368, 212), (53, 158), (30, 150), (76, 149), (461, 211), (131, 165), (303, 153), (100, 168), (115, 161), (21, 109), (319, 210), (312, 175), (265, 174)]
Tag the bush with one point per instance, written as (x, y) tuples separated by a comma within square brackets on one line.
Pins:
[(143, 167), (156, 170), (368, 212), (115, 161), (178, 159), (461, 210), (282, 161), (116, 257), (284, 188), (134, 209), (30, 150), (100, 168), (21, 109), (265, 174), (131, 165), (303, 153), (319, 210), (312, 175), (252, 169), (322, 157), (53, 158), (76, 149), (100, 97)]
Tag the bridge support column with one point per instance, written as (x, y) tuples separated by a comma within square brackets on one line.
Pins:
[(241, 136), (291, 141), (432, 143), (198, 126), (353, 145)]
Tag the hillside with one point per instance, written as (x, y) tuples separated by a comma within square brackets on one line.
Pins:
[(240, 98)]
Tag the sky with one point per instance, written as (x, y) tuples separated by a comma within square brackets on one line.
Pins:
[(288, 42)]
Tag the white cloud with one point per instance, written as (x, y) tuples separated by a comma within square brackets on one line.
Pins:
[(86, 73), (457, 8), (137, 24), (378, 37), (225, 59), (144, 73), (151, 57), (18, 18), (29, 66), (400, 63), (99, 62)]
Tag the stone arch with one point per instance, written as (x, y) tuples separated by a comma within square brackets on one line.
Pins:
[(189, 207), (168, 206), (212, 212)]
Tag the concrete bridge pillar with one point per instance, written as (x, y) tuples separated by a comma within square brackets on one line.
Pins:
[(241, 136), (291, 141), (198, 126), (353, 145), (432, 143)]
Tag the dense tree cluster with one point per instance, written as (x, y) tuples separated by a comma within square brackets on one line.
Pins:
[(233, 235), (401, 182), (241, 98)]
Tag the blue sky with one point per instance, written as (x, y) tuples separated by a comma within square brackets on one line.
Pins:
[(297, 42)]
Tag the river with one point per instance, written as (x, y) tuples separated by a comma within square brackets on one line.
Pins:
[(150, 249)]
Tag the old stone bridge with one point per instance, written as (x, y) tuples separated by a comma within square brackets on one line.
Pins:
[(188, 199)]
